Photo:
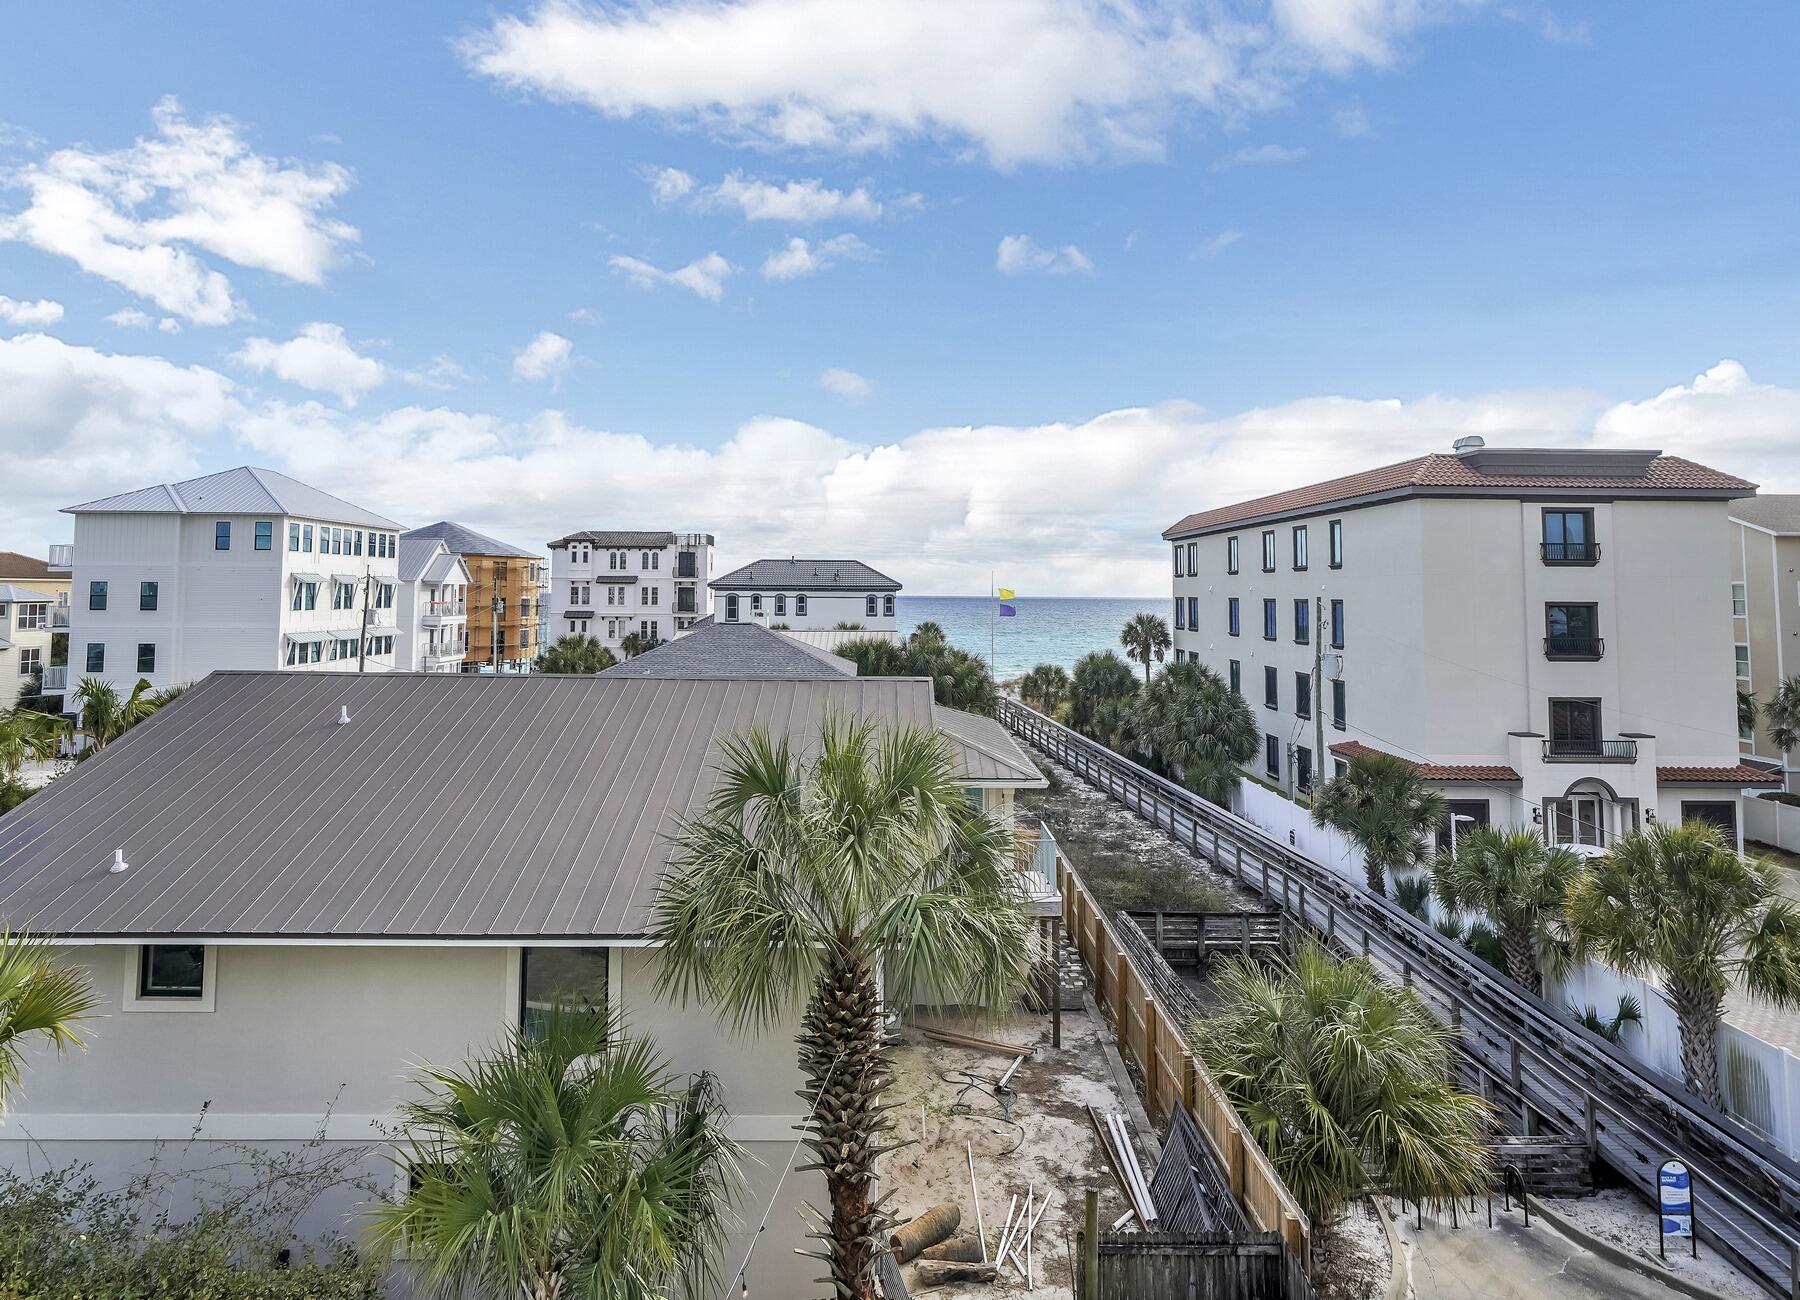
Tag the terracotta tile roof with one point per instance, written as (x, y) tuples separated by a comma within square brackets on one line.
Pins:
[(14, 565), (1740, 774), (1434, 771), (1441, 471)]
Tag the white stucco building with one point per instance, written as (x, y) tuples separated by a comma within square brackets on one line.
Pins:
[(608, 584), (432, 609), (1541, 631), (246, 568), (807, 595), (1765, 616)]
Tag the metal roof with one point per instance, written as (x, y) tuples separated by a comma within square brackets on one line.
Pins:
[(427, 559), (733, 650), (466, 541), (805, 575), (451, 805), (988, 749), (830, 638), (245, 490), (1778, 512), (617, 537), (10, 592)]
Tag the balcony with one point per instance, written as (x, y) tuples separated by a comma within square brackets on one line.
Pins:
[(1569, 552), (436, 611), (1574, 647), (62, 556), (59, 617), (1575, 749), (56, 679)]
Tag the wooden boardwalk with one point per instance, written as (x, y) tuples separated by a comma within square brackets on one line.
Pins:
[(1188, 938)]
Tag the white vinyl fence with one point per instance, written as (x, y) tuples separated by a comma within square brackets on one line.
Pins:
[(1771, 823)]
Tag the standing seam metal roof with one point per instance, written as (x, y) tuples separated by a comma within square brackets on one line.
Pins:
[(733, 650), (246, 490)]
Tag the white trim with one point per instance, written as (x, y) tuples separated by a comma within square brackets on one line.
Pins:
[(220, 1127), (133, 1001), (515, 968), (1761, 528)]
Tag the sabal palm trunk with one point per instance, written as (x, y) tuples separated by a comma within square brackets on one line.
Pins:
[(1375, 874), (847, 1070), (1521, 958), (1697, 1015)]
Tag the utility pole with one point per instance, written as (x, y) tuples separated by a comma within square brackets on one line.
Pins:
[(1318, 689), (362, 635)]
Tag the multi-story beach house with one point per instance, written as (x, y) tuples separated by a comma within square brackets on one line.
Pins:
[(244, 569), (507, 613), (1539, 630), (1765, 616), (807, 595), (433, 607), (609, 584), (34, 624)]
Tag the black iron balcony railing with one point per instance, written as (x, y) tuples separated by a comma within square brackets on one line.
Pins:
[(1570, 552), (1576, 749), (1574, 647)]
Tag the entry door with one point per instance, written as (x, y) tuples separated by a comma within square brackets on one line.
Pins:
[(1578, 819)]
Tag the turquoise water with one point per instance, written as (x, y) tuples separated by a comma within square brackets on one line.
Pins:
[(1048, 630)]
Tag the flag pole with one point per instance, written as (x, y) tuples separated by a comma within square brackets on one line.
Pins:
[(991, 617)]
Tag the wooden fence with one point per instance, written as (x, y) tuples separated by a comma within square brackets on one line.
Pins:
[(1199, 1266), (1157, 1042)]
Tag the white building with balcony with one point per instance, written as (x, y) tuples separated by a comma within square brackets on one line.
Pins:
[(608, 584), (244, 569), (808, 595), (1540, 631), (432, 608)]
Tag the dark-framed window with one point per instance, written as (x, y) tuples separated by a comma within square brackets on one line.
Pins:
[(1268, 541), (731, 607), (1335, 532), (1231, 555), (887, 606), (171, 970), (1337, 625), (1569, 537), (1193, 564), (222, 535), (1714, 812), (781, 605), (1194, 612), (1235, 673), (1302, 621), (1572, 631), (1575, 727), (868, 605), (146, 595), (1299, 547), (97, 595), (1231, 615), (1302, 768), (265, 535), (1475, 810), (799, 605), (575, 977), (1337, 704), (1272, 756), (1269, 632), (96, 656), (1271, 687), (146, 659), (1180, 614), (1303, 695), (1178, 559)]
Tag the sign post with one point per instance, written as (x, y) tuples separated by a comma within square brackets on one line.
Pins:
[(1675, 1207)]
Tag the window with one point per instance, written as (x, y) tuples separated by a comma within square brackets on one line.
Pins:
[(1339, 767), (343, 595), (1231, 615), (306, 595), (1575, 728), (800, 605), (172, 970), (96, 656), (265, 535), (1303, 621), (1302, 768), (384, 598), (1268, 540), (1180, 614), (869, 606), (781, 606), (574, 977), (1572, 632), (1335, 535), (293, 537), (357, 540), (1269, 619), (222, 535), (1299, 547), (1272, 757), (1742, 667), (1569, 537), (1271, 688), (1235, 673), (756, 603), (731, 608), (887, 606), (1194, 612), (1337, 625), (306, 538), (34, 616), (1721, 813), (1337, 704), (1193, 564), (146, 659), (1177, 559), (1231, 555), (31, 661), (146, 595), (1466, 815), (647, 628), (96, 595), (1740, 601), (1303, 695)]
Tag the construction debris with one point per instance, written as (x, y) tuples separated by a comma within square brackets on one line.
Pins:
[(1115, 1140), (909, 1240), (964, 1247), (970, 1040), (935, 1272)]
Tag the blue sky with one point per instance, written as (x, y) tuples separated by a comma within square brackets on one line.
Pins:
[(1069, 270)]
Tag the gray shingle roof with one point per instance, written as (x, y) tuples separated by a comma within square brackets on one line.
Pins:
[(616, 537), (733, 650), (466, 541), (1778, 512), (14, 565), (805, 575), (451, 806), (245, 490)]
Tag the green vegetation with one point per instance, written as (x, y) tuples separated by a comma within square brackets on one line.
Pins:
[(1781, 715), (1100, 694), (1192, 727), (1384, 806), (633, 644), (1682, 902), (40, 1002), (564, 1162), (1048, 684), (801, 880), (1345, 1081), (1146, 637), (576, 653), (959, 680), (105, 716), (1629, 1012), (25, 737), (1516, 882)]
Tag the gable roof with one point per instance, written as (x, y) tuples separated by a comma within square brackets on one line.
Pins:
[(617, 537), (805, 575), (989, 750), (733, 650), (1778, 512), (450, 806), (11, 592), (14, 565), (245, 490), (465, 540), (1560, 471)]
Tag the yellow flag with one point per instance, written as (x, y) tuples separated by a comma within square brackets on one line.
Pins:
[(1006, 593)]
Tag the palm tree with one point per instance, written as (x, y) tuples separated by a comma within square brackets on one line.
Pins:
[(805, 877), (1682, 902), (577, 653), (564, 1162), (25, 737), (928, 632), (845, 625), (633, 644), (1100, 679), (1518, 883), (1748, 710), (1781, 715), (1195, 728), (1345, 1081), (1048, 683), (40, 1002), (959, 679), (1612, 1028), (1384, 806), (105, 717), (1146, 637)]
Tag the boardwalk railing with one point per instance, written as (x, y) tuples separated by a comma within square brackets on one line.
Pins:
[(1548, 1070), (1156, 1040)]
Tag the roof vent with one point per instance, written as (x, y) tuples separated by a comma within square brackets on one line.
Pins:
[(118, 863), (1463, 446), (343, 715)]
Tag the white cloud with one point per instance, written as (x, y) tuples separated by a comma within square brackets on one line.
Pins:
[(801, 202), (136, 216), (1263, 155), (705, 276), (545, 357), (846, 384), (130, 318), (668, 184), (318, 357), (1013, 81), (1218, 244), (799, 258), (169, 325), (42, 312), (1019, 254)]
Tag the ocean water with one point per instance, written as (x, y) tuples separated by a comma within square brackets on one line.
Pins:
[(1048, 629)]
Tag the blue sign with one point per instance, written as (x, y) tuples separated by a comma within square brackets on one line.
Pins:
[(1676, 1199)]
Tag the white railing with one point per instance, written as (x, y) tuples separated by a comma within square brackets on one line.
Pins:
[(62, 556)]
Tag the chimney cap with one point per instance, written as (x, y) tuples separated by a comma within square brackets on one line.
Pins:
[(1472, 442)]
